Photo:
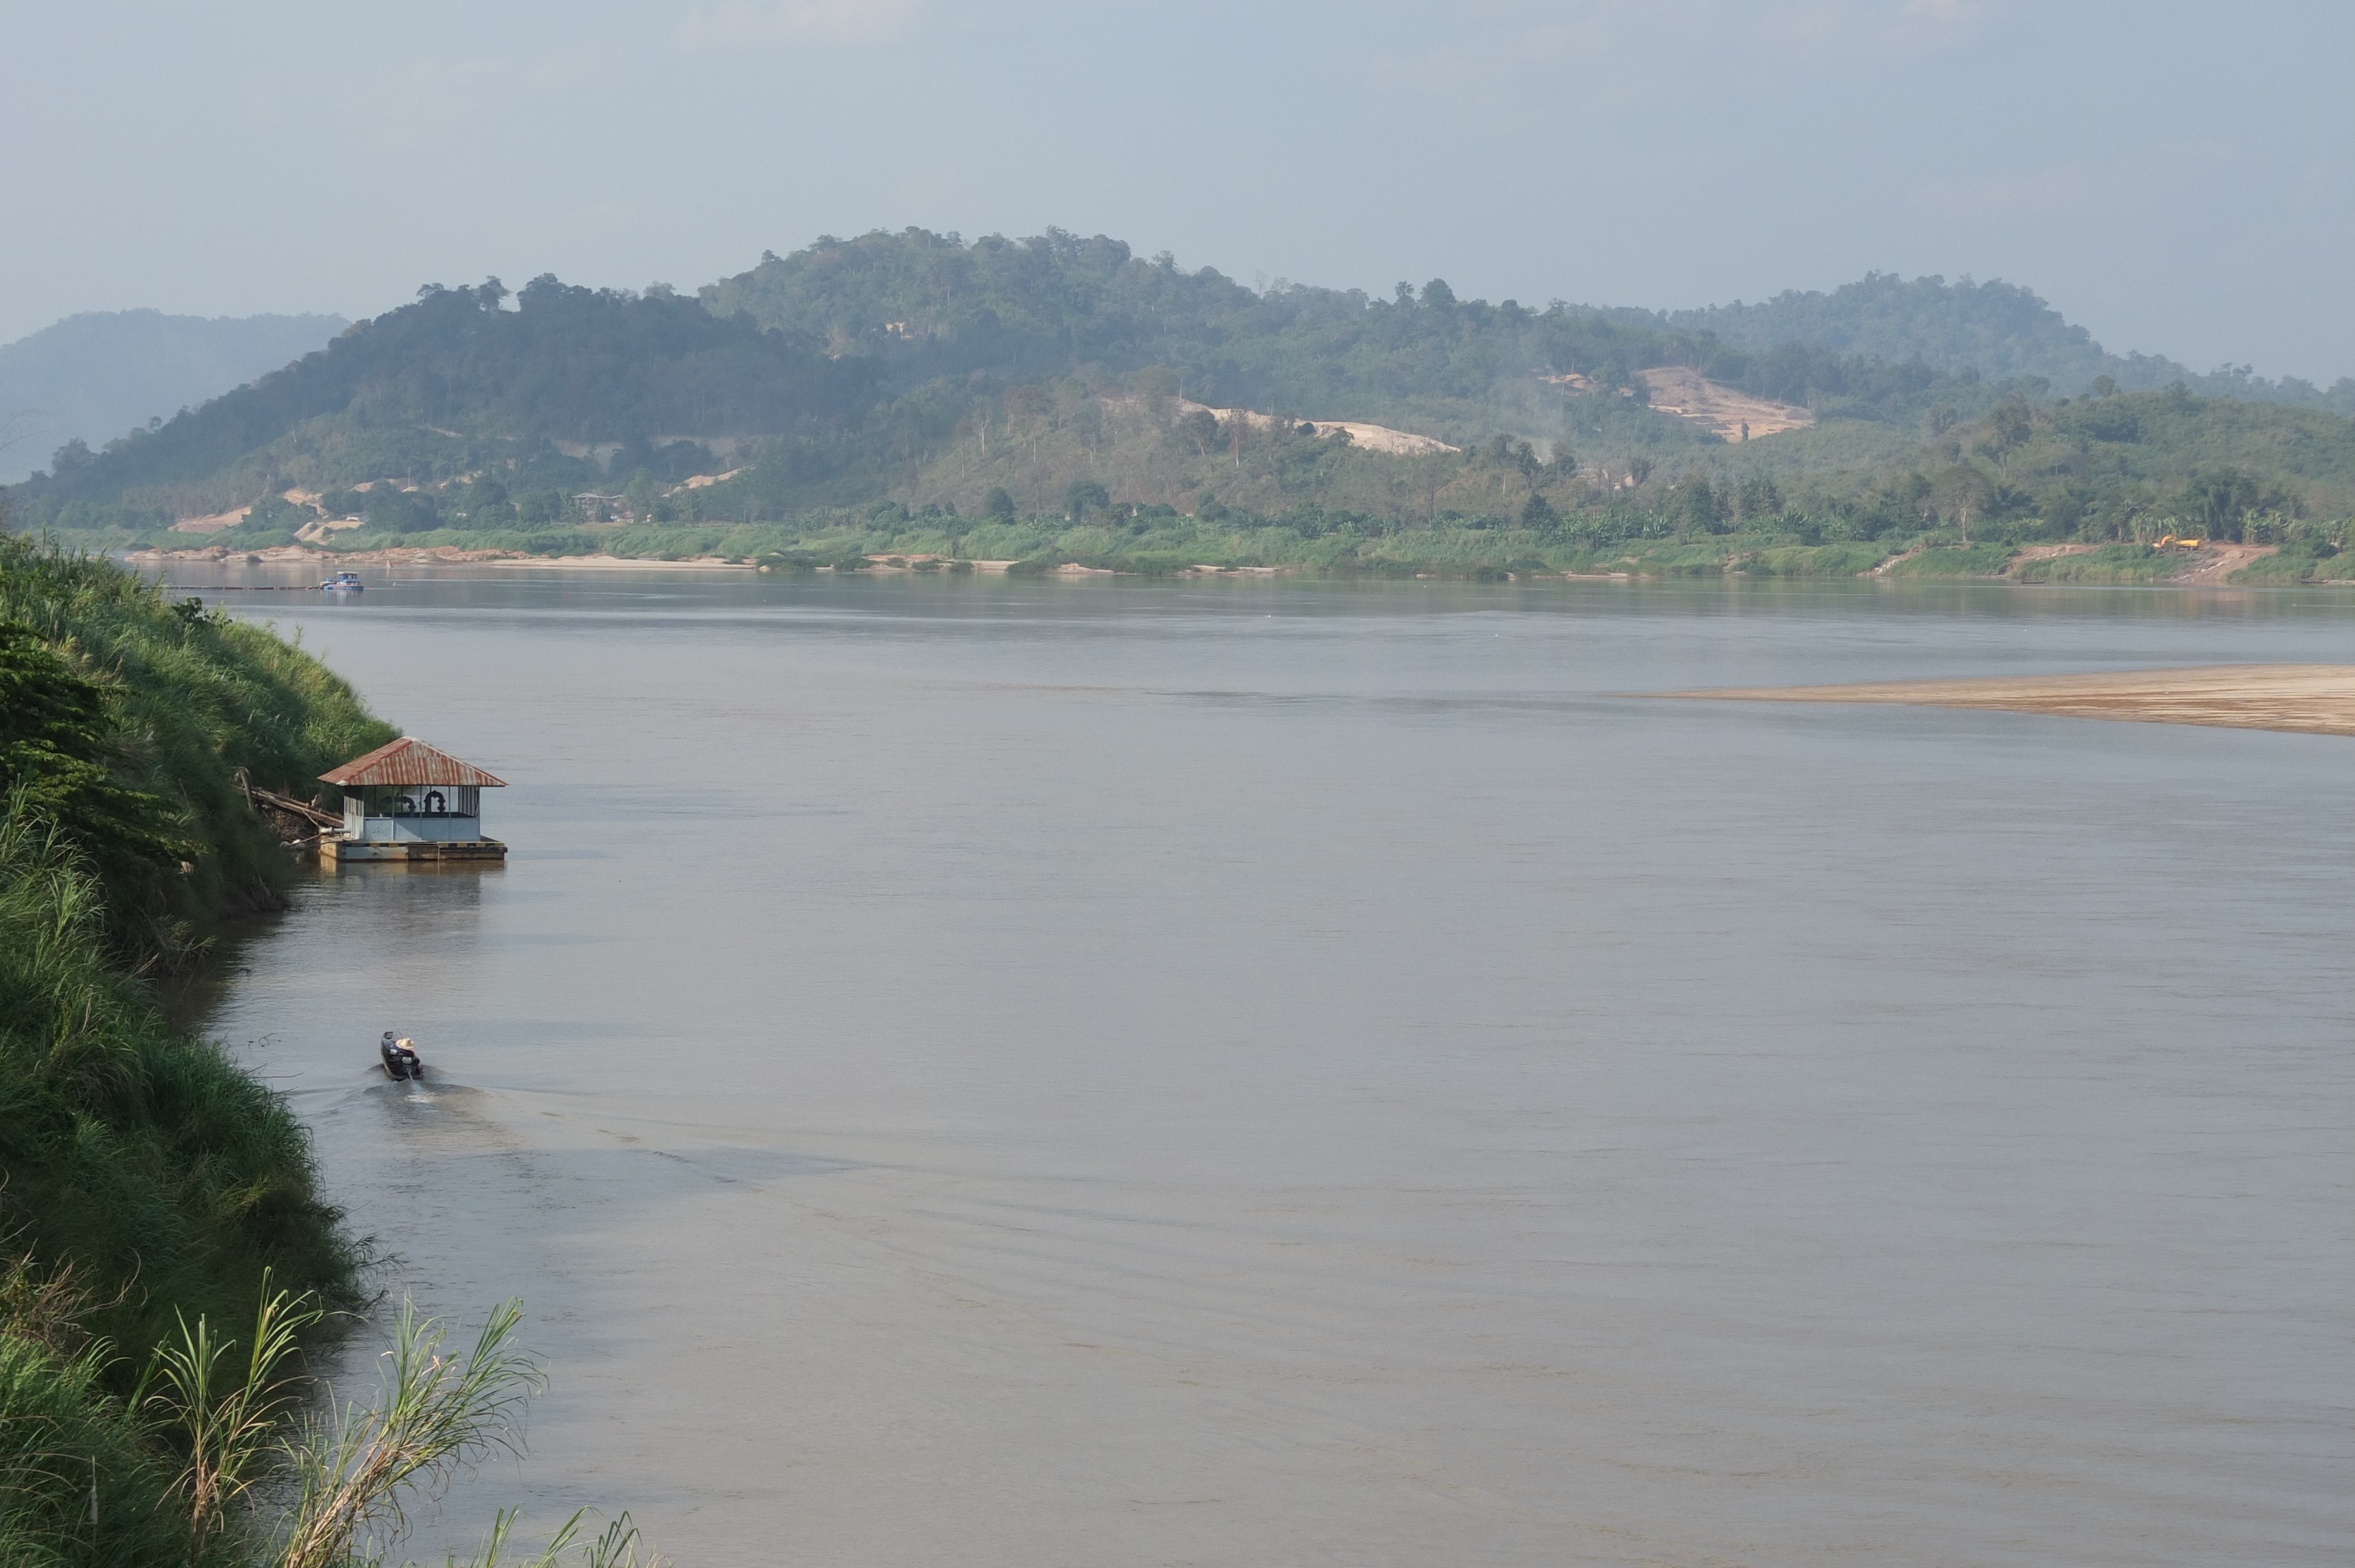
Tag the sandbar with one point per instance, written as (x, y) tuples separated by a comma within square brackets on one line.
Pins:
[(624, 563), (2313, 699)]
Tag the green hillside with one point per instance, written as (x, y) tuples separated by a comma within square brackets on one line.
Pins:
[(454, 384), (923, 306), (910, 390), (1998, 329), (848, 369)]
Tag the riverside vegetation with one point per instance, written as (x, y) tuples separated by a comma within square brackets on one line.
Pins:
[(165, 1251), (1057, 400)]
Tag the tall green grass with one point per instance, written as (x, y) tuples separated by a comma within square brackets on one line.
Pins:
[(164, 1176), (143, 1175), (79, 1478), (212, 1463), (195, 698)]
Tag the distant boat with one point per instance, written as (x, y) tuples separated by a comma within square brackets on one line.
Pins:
[(345, 582)]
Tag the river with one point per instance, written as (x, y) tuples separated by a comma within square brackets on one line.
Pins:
[(1081, 1073)]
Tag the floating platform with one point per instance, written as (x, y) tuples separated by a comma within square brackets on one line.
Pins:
[(339, 849)]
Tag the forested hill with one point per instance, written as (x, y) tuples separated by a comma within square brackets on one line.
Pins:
[(454, 382), (1999, 329), (859, 360), (1042, 378), (922, 305)]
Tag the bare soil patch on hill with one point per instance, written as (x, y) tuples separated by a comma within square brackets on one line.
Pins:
[(1372, 438), (213, 523), (1686, 394)]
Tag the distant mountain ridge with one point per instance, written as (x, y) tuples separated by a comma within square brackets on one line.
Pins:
[(916, 370), (94, 375), (860, 360), (917, 305), (2001, 330)]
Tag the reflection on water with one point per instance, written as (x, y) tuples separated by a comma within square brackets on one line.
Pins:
[(1014, 1072)]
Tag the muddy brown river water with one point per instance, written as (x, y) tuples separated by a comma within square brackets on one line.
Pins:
[(1043, 1074)]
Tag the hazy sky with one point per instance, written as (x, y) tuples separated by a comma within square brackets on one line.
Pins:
[(2175, 177)]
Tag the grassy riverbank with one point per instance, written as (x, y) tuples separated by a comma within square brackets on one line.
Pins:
[(144, 1179), (148, 1180), (164, 1247), (185, 700)]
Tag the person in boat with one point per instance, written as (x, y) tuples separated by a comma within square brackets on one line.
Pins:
[(400, 1057)]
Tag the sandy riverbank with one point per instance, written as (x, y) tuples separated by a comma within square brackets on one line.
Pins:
[(433, 555), (621, 564), (2317, 699), (296, 555)]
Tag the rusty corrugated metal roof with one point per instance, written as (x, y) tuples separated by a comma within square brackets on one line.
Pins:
[(409, 761)]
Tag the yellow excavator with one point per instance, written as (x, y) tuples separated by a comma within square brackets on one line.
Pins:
[(2170, 541)]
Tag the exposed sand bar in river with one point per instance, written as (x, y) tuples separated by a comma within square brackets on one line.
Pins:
[(2318, 699)]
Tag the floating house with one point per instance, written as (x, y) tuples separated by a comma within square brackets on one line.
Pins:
[(409, 802)]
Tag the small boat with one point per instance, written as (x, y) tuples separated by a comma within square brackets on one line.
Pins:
[(345, 582), (400, 1061)]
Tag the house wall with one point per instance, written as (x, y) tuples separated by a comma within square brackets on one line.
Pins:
[(382, 813), (416, 830)]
